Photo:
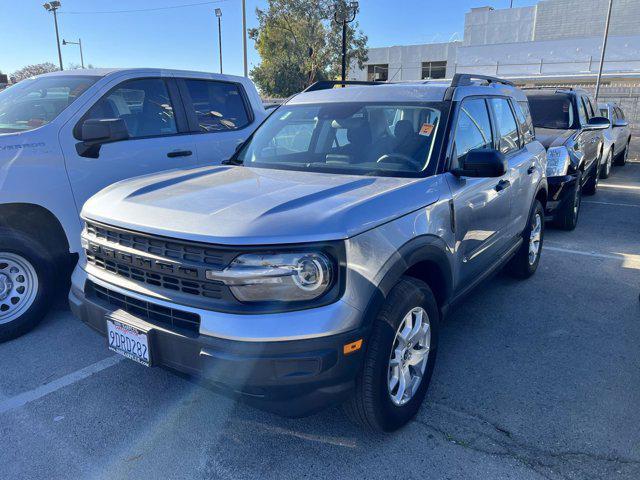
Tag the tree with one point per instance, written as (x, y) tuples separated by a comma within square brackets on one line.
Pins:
[(32, 70), (299, 43)]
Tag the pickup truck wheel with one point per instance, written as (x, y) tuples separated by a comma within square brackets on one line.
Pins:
[(567, 218), (591, 187), (399, 361), (605, 170), (525, 261), (26, 277), (622, 158)]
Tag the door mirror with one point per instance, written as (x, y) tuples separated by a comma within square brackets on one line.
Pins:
[(620, 123), (483, 162), (598, 123), (96, 132)]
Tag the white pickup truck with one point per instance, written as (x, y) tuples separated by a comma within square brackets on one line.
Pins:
[(66, 135)]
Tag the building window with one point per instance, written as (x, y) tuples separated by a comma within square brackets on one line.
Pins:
[(434, 70), (378, 72)]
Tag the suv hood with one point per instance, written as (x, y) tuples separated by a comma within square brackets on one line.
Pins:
[(243, 205), (552, 137)]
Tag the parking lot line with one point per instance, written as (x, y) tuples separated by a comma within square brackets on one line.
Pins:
[(611, 203), (37, 393), (628, 259)]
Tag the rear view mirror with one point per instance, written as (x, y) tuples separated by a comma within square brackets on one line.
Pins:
[(620, 123), (598, 123), (96, 132), (483, 163)]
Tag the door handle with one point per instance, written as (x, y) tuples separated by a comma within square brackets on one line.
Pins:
[(502, 184), (531, 169), (179, 153)]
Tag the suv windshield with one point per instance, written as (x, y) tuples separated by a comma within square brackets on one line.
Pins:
[(37, 101), (551, 111), (351, 138)]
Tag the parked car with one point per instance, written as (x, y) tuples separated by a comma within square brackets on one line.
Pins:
[(66, 135), (315, 266), (618, 135), (571, 129)]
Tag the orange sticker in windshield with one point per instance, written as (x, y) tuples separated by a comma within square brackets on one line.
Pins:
[(426, 129)]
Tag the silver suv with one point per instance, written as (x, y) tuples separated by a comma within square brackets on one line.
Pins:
[(315, 266)]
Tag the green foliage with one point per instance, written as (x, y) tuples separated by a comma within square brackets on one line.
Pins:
[(32, 70), (300, 43)]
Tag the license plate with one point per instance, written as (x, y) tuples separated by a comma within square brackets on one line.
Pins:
[(129, 341)]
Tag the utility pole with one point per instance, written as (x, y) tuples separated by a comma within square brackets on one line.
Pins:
[(53, 6), (345, 14), (604, 48), (244, 37), (79, 43), (219, 15)]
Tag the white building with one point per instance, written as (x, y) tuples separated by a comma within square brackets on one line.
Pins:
[(555, 38)]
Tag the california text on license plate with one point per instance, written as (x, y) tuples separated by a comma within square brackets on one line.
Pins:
[(129, 341)]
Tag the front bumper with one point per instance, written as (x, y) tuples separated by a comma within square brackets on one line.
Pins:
[(292, 378), (560, 192)]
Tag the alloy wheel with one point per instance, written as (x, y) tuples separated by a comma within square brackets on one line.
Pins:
[(409, 356), (18, 286), (535, 238)]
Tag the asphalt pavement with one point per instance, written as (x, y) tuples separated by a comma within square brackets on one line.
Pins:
[(536, 379)]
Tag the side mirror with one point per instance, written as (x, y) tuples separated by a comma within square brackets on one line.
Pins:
[(620, 123), (96, 132), (483, 163), (598, 123)]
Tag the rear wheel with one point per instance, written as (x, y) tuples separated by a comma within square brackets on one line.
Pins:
[(567, 217), (400, 358), (526, 260), (26, 277), (605, 170)]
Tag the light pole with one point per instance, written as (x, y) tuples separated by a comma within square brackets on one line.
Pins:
[(219, 15), (604, 48), (244, 37), (53, 6), (345, 14), (79, 43)]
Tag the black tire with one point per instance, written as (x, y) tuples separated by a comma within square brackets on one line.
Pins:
[(621, 160), (16, 246), (371, 406), (591, 186), (567, 217), (521, 266), (605, 169)]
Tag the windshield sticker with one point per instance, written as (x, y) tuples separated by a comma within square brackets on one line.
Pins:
[(426, 129)]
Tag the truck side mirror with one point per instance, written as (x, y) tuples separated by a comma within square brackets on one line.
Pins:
[(598, 123), (483, 162), (620, 123), (96, 132)]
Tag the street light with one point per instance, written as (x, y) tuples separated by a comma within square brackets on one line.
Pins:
[(604, 49), (79, 43), (219, 15), (53, 6), (345, 14), (244, 37)]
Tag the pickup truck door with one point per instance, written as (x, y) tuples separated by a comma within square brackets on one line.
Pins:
[(221, 114), (154, 115), (481, 205), (590, 140)]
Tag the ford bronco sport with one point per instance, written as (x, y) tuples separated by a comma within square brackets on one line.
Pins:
[(316, 265)]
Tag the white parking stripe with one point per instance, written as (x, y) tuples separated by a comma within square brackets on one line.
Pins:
[(621, 187), (27, 397), (578, 252), (612, 203)]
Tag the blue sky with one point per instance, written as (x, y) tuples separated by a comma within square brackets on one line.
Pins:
[(186, 38)]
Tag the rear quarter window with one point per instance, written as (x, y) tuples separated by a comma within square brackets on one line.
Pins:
[(217, 106)]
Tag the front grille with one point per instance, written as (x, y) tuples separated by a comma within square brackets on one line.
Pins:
[(144, 310), (163, 263)]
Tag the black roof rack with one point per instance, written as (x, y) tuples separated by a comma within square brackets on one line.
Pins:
[(548, 87), (461, 79), (329, 84)]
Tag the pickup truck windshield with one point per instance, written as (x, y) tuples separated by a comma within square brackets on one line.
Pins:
[(350, 138), (34, 102), (551, 111)]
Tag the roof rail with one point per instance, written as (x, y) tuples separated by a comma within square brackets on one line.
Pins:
[(329, 84), (460, 79)]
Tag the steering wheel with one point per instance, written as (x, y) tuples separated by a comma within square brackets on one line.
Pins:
[(399, 156)]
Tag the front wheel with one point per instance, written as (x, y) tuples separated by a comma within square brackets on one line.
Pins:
[(622, 158), (591, 186), (399, 361), (25, 284), (567, 217), (605, 170), (525, 261)]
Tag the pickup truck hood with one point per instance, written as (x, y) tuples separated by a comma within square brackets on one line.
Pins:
[(243, 206), (552, 137)]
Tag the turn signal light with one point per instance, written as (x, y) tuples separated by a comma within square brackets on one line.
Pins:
[(352, 347)]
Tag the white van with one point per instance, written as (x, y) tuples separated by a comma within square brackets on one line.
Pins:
[(66, 135)]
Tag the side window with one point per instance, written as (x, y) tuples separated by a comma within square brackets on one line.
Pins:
[(590, 109), (506, 125), (218, 106), (473, 129), (525, 122), (582, 111), (619, 113), (143, 104)]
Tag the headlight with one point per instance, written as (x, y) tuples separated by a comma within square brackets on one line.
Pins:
[(284, 277), (558, 161)]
